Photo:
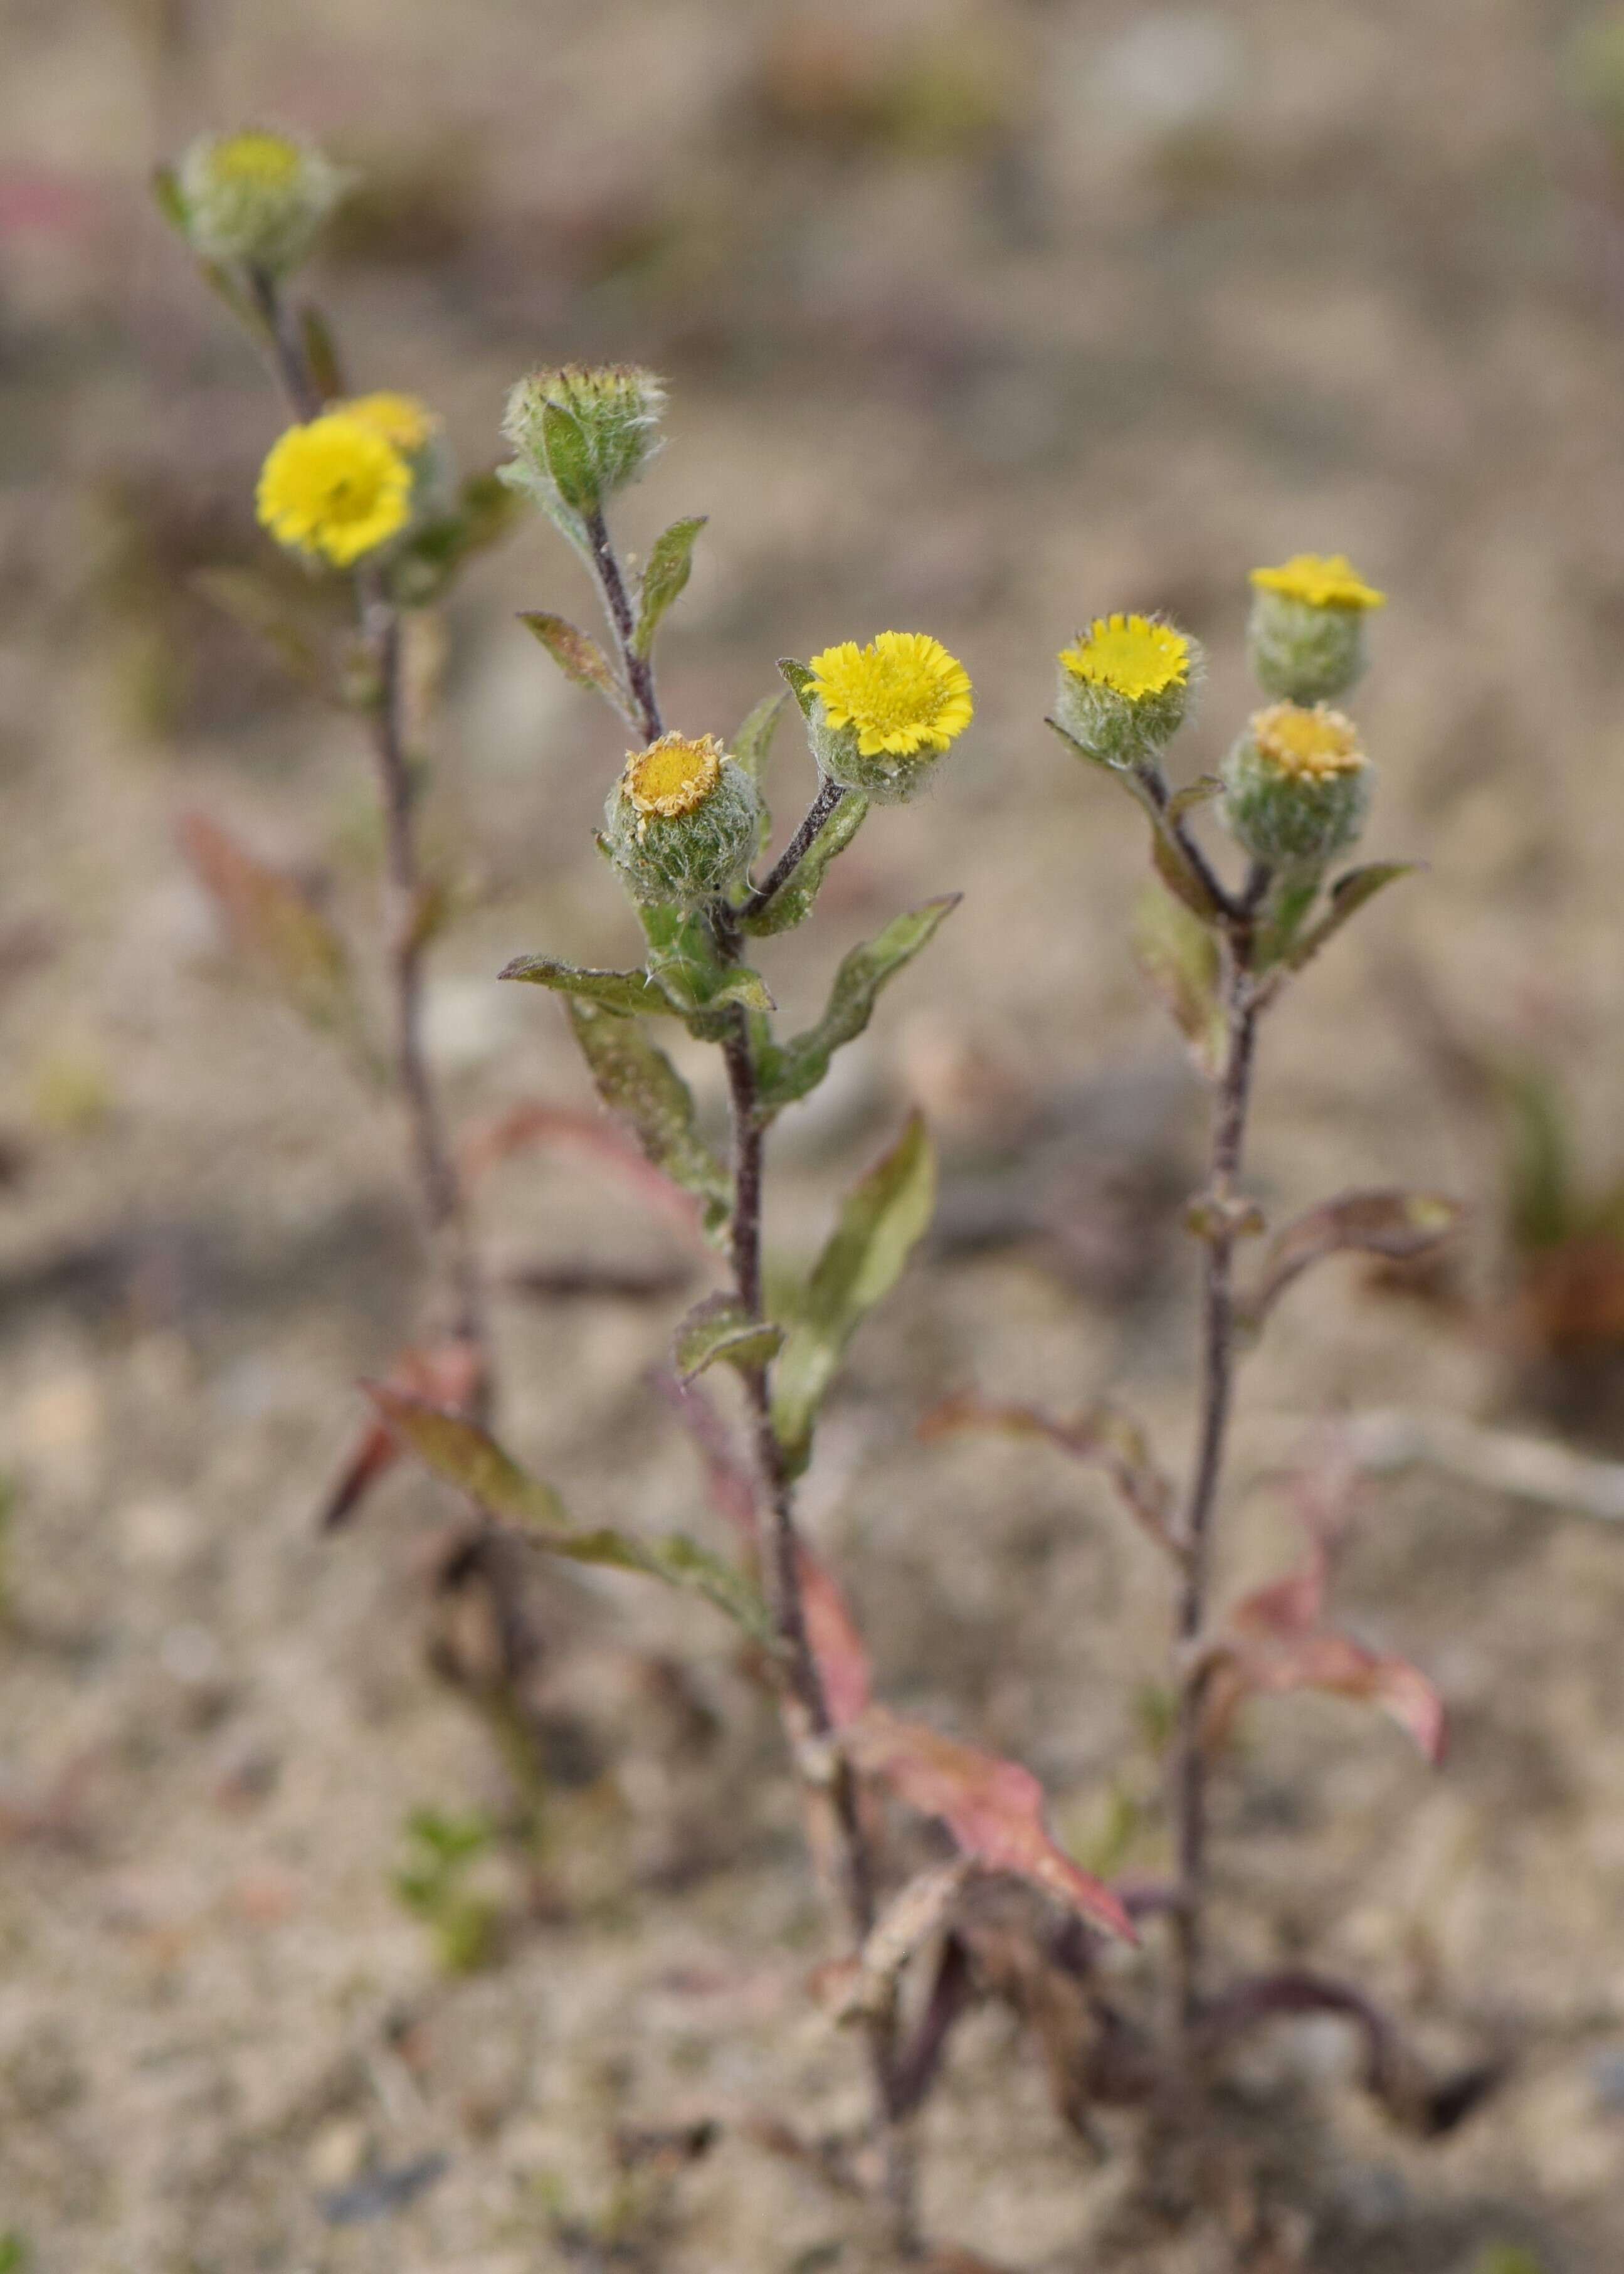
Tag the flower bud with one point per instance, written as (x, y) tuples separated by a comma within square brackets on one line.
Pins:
[(684, 822), (1305, 641), (1125, 689), (879, 716), (582, 434), (256, 200), (1297, 787)]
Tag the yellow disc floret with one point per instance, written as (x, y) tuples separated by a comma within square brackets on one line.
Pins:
[(335, 487), (1320, 581), (1309, 745), (902, 694), (404, 422), (259, 160), (673, 776), (1133, 656)]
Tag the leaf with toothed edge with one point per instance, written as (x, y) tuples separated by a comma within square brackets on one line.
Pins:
[(468, 1456)]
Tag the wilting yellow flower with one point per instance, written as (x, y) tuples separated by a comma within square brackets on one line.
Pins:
[(1133, 656), (334, 487), (404, 422), (1320, 581), (901, 694), (1309, 745), (673, 776)]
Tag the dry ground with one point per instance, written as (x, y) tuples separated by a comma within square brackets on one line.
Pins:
[(977, 317)]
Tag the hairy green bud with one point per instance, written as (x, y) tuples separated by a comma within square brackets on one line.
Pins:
[(255, 199), (684, 822), (1297, 787), (582, 434), (1307, 638), (1125, 689)]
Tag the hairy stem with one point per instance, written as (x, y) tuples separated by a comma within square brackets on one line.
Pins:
[(293, 370), (637, 671), (1189, 1767), (784, 867)]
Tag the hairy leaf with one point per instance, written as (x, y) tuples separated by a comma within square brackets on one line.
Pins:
[(469, 1457), (720, 1328), (1178, 955), (449, 1373), (790, 1070), (670, 565), (792, 903), (799, 682), (880, 1224), (1349, 895), (633, 994), (752, 745), (578, 656), (993, 1809), (1399, 1225), (1108, 1436), (272, 923), (703, 991), (637, 1081)]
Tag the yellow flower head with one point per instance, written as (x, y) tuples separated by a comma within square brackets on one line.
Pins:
[(404, 422), (902, 692), (1321, 580), (255, 160), (1308, 745), (1133, 655), (673, 776), (334, 487)]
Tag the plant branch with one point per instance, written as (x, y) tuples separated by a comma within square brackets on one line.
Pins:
[(827, 798), (1218, 1338), (298, 382), (637, 671)]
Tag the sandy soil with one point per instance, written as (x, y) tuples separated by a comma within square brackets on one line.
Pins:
[(978, 317)]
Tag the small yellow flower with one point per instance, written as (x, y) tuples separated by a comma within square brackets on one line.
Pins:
[(1133, 656), (335, 487), (404, 422), (1321, 580), (673, 776), (1309, 745), (902, 692), (255, 158)]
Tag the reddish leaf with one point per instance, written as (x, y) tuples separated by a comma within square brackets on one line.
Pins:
[(449, 1373), (1107, 1435), (1398, 1225), (993, 1808), (273, 921), (529, 1124)]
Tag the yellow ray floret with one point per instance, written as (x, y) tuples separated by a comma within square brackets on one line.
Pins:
[(1308, 745), (334, 487), (902, 692), (404, 422), (1133, 656), (673, 776), (1322, 580), (265, 160)]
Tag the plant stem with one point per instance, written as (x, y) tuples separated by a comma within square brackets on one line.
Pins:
[(1189, 1767), (822, 805), (635, 670), (287, 350)]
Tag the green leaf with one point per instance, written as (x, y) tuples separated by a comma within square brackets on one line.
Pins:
[(792, 903), (1285, 912), (752, 745), (486, 510), (632, 993), (788, 1071), (800, 682), (1174, 865), (169, 199), (670, 565), (1179, 956), (720, 1328), (637, 1081), (1541, 1184), (880, 1224), (467, 1457), (696, 984), (578, 656), (569, 458), (1349, 895)]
